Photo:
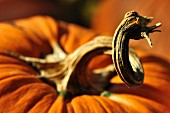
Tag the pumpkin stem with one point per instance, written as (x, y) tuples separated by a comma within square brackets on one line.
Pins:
[(135, 27)]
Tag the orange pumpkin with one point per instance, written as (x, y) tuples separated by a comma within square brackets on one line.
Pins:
[(21, 91)]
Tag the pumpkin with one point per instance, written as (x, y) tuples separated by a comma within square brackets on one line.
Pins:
[(21, 91)]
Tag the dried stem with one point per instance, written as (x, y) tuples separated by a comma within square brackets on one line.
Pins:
[(133, 26)]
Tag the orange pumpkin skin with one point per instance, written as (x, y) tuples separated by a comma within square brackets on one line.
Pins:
[(21, 91)]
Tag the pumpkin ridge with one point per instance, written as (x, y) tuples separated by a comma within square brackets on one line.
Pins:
[(150, 107), (13, 75), (22, 35), (45, 28), (43, 103), (54, 39), (34, 37), (122, 103), (36, 100), (39, 44), (23, 68), (109, 105), (147, 102), (61, 105), (152, 91), (79, 105), (16, 82), (70, 108), (93, 104), (99, 104), (26, 94)]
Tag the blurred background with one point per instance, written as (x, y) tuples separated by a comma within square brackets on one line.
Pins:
[(102, 16)]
